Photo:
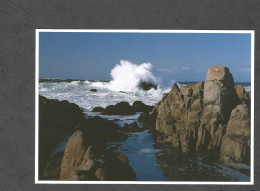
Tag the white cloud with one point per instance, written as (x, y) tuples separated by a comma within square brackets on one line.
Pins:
[(164, 70), (186, 68), (245, 69)]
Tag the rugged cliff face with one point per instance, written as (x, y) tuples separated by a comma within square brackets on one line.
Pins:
[(208, 117)]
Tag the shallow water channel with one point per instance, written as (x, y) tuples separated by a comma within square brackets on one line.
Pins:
[(154, 163)]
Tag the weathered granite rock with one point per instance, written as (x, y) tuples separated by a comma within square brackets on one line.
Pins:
[(197, 117), (84, 161), (122, 108), (179, 115), (236, 142), (56, 119), (219, 98)]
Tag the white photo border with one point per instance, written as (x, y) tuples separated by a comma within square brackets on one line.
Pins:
[(37, 31)]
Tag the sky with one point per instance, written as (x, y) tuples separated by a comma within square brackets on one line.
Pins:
[(174, 56)]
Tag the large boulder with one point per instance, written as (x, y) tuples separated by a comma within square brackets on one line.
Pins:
[(56, 119), (219, 98), (236, 142), (122, 108), (84, 161)]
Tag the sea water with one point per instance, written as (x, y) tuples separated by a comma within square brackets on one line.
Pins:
[(150, 162)]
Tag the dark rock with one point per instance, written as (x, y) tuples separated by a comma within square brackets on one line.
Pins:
[(147, 86), (93, 90), (52, 169), (83, 161), (98, 109), (122, 108), (141, 107), (97, 130), (56, 119), (132, 127)]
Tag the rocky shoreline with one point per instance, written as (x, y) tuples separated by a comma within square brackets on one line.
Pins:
[(211, 117)]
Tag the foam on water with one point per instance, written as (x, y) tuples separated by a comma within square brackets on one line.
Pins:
[(79, 93)]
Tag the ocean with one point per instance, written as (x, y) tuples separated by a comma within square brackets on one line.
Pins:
[(149, 162)]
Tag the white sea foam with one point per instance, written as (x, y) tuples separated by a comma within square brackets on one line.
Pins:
[(126, 76)]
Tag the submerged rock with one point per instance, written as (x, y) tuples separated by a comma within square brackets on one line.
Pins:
[(84, 161), (147, 86)]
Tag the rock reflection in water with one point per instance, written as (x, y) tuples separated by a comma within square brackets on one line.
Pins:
[(179, 166)]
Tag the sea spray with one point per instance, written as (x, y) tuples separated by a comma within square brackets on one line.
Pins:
[(126, 76)]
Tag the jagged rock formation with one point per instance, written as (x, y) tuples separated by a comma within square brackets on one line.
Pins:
[(179, 115), (198, 117)]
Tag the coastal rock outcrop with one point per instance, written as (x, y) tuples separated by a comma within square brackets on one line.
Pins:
[(212, 117), (124, 108), (121, 108), (84, 160)]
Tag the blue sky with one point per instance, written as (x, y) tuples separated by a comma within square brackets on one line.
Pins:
[(179, 57)]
